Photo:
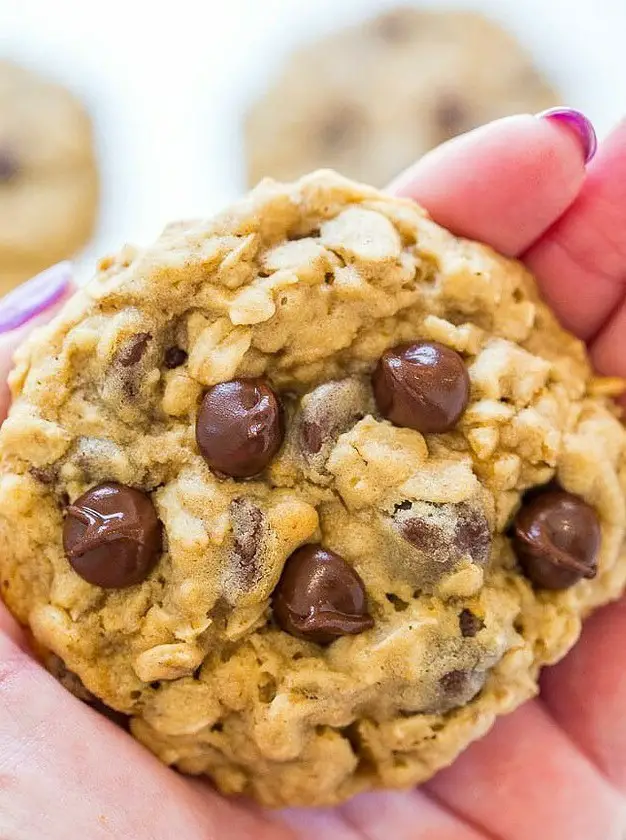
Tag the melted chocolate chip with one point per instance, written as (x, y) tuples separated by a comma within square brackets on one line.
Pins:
[(311, 437), (458, 687), (470, 624), (174, 357), (422, 386), (325, 413), (445, 533), (472, 535), (68, 679), (46, 475), (9, 167), (133, 350), (112, 536), (240, 427), (557, 539), (249, 520), (320, 597), (455, 681), (422, 534), (248, 532)]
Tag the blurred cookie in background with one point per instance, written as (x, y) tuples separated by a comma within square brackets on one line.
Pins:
[(370, 99), (48, 174)]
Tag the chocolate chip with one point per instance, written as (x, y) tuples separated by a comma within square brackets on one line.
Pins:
[(327, 412), (240, 427), (133, 350), (248, 519), (423, 386), (422, 534), (311, 437), (175, 357), (248, 533), (46, 475), (320, 597), (557, 539), (9, 166), (457, 688), (454, 682), (470, 624), (472, 535), (445, 533), (112, 536)]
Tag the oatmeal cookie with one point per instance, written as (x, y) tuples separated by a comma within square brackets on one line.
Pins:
[(371, 99), (48, 177), (309, 492)]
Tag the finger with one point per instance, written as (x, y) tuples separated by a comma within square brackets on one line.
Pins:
[(526, 779), (380, 816), (65, 772), (405, 816), (608, 351), (581, 261), (505, 183), (28, 306), (586, 692)]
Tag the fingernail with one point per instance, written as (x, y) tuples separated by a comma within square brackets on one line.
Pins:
[(579, 123), (34, 296)]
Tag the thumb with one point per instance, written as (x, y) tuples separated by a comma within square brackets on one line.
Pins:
[(59, 760), (28, 306), (62, 763)]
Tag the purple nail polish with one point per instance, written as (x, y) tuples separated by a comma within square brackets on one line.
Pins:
[(34, 296), (579, 123)]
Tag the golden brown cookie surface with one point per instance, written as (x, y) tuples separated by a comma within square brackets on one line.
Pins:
[(299, 490)]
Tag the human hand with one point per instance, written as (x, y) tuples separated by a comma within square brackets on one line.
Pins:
[(555, 769)]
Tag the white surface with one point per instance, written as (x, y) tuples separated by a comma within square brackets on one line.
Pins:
[(167, 88)]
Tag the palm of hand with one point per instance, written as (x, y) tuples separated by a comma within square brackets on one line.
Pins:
[(556, 768)]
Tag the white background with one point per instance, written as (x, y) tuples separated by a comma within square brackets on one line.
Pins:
[(167, 83)]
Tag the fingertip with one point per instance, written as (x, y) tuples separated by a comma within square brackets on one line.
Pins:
[(581, 261), (578, 124), (504, 183)]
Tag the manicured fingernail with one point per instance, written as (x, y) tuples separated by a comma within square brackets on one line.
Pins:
[(579, 123), (34, 296)]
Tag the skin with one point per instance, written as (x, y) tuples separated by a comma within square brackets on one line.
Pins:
[(554, 769)]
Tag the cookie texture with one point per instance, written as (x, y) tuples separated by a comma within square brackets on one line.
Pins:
[(341, 601), (371, 99), (48, 176)]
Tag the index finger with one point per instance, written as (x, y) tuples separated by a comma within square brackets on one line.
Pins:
[(505, 183)]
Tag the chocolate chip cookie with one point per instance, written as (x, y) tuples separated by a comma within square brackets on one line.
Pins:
[(371, 99), (48, 178), (309, 492)]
